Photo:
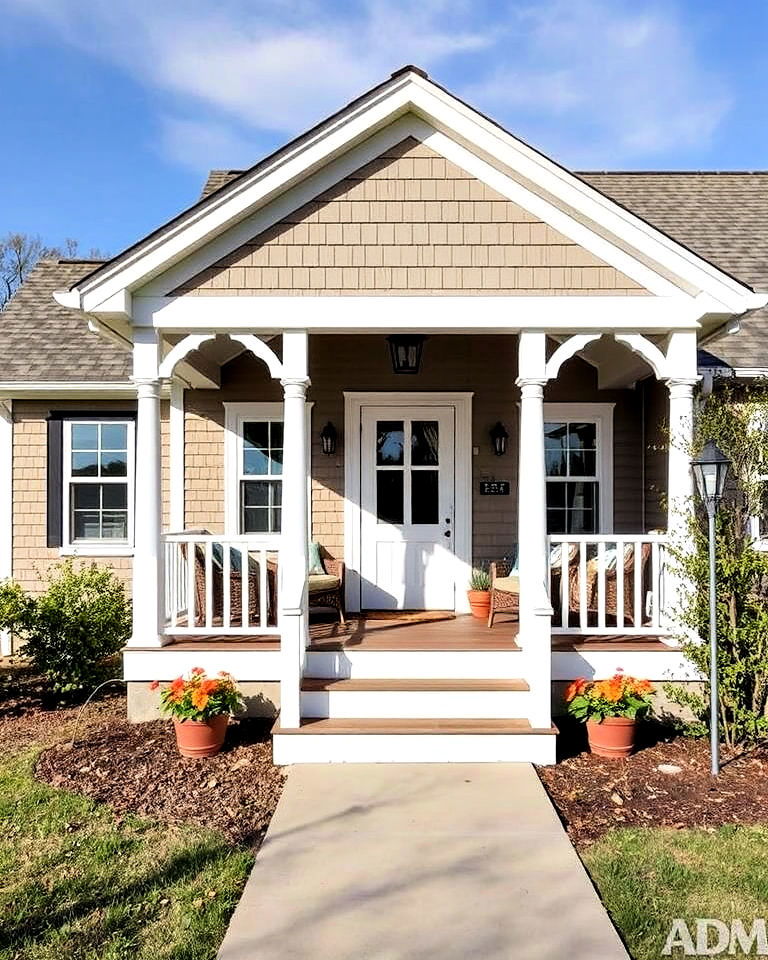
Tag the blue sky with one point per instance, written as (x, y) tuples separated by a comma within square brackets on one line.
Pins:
[(114, 110)]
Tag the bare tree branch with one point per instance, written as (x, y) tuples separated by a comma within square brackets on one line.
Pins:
[(19, 252)]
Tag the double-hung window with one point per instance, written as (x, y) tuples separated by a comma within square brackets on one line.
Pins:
[(254, 468), (578, 460), (97, 483)]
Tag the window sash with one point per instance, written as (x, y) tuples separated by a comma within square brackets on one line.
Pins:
[(70, 482), (594, 479), (273, 510)]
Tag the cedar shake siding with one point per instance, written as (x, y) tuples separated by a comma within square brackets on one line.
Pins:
[(484, 365), (31, 556), (409, 223)]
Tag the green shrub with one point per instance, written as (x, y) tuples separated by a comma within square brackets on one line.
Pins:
[(81, 619)]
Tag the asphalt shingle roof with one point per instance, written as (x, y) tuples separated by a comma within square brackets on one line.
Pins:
[(45, 342)]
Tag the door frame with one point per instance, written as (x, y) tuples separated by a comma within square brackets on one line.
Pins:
[(354, 401)]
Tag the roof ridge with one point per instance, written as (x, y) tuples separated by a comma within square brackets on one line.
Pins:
[(666, 173)]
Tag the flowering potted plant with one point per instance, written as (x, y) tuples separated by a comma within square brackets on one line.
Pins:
[(479, 593), (611, 709), (201, 707)]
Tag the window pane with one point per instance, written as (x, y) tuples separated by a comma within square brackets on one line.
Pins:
[(554, 449), (85, 436), (276, 433), (554, 435), (114, 525), (256, 520), (424, 443), (261, 501), (85, 526), (114, 436), (256, 493), (389, 496), (555, 521), (582, 463), (114, 464), (555, 461), (581, 521), (255, 462), (425, 501), (556, 495), (581, 495), (85, 464), (256, 434), (582, 436), (276, 519), (114, 496), (85, 496), (276, 461), (389, 443)]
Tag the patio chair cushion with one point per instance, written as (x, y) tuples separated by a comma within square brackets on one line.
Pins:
[(316, 566), (320, 583), (507, 584)]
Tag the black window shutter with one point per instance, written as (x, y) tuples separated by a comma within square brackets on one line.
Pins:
[(55, 493)]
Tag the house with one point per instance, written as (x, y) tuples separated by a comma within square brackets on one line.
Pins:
[(415, 340)]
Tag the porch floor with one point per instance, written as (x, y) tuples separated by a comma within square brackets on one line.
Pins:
[(432, 631)]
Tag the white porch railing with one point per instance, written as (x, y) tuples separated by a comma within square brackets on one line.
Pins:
[(216, 584), (607, 584)]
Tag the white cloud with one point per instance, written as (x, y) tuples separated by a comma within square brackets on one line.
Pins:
[(593, 81)]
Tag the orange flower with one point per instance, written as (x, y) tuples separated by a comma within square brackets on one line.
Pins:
[(199, 699), (575, 689), (197, 671), (154, 685), (209, 686)]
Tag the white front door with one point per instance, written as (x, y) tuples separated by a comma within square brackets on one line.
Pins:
[(407, 473)]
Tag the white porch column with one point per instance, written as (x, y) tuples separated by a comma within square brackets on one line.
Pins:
[(535, 609), (148, 587), (294, 540), (176, 456), (682, 377)]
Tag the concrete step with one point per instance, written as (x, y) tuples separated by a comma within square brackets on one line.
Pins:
[(414, 698), (423, 740)]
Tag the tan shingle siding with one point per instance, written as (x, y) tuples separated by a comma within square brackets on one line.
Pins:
[(381, 227)]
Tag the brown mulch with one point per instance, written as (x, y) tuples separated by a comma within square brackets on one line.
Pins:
[(136, 768), (593, 795)]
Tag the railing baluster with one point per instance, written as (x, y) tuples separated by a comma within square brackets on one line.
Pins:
[(191, 562), (208, 584), (655, 585), (226, 586), (262, 589), (637, 573), (602, 599), (565, 581), (619, 584), (244, 586), (583, 620)]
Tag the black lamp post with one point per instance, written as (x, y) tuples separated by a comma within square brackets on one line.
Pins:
[(710, 470), (328, 439), (499, 437), (405, 350)]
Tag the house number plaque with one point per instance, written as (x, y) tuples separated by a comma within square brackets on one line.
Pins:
[(494, 488)]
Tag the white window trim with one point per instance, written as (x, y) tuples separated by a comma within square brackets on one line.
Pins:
[(235, 415), (601, 414), (96, 548)]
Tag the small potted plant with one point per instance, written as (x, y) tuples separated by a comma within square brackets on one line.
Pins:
[(479, 593), (611, 710), (201, 707)]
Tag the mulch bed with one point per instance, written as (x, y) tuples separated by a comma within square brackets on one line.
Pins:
[(136, 768), (593, 795)]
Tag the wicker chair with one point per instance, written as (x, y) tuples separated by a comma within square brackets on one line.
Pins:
[(327, 590), (505, 592), (235, 587), (611, 586)]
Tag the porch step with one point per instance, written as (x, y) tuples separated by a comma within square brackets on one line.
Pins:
[(350, 662), (425, 740), (413, 698)]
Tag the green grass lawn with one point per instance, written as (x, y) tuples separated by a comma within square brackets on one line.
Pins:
[(648, 877), (77, 882)]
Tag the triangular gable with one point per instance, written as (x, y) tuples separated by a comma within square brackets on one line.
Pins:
[(411, 222)]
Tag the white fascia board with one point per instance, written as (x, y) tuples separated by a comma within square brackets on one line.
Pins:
[(443, 108), (444, 314), (410, 92), (70, 390)]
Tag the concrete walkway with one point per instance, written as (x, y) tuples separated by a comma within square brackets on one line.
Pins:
[(418, 862)]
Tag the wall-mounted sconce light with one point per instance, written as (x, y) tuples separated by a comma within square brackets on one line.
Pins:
[(499, 437), (328, 438), (406, 350)]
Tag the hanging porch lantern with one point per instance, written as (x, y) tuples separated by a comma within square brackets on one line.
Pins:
[(499, 437), (405, 350)]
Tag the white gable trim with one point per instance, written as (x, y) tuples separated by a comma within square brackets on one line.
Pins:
[(408, 92)]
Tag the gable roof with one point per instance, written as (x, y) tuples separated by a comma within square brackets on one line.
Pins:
[(44, 342)]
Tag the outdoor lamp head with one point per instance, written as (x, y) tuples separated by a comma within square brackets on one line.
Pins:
[(710, 470)]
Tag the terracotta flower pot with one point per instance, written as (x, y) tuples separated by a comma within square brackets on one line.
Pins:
[(614, 737), (479, 603), (201, 738)]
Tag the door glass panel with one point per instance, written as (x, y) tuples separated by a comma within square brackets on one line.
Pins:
[(389, 496), (425, 501), (390, 440), (424, 443)]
